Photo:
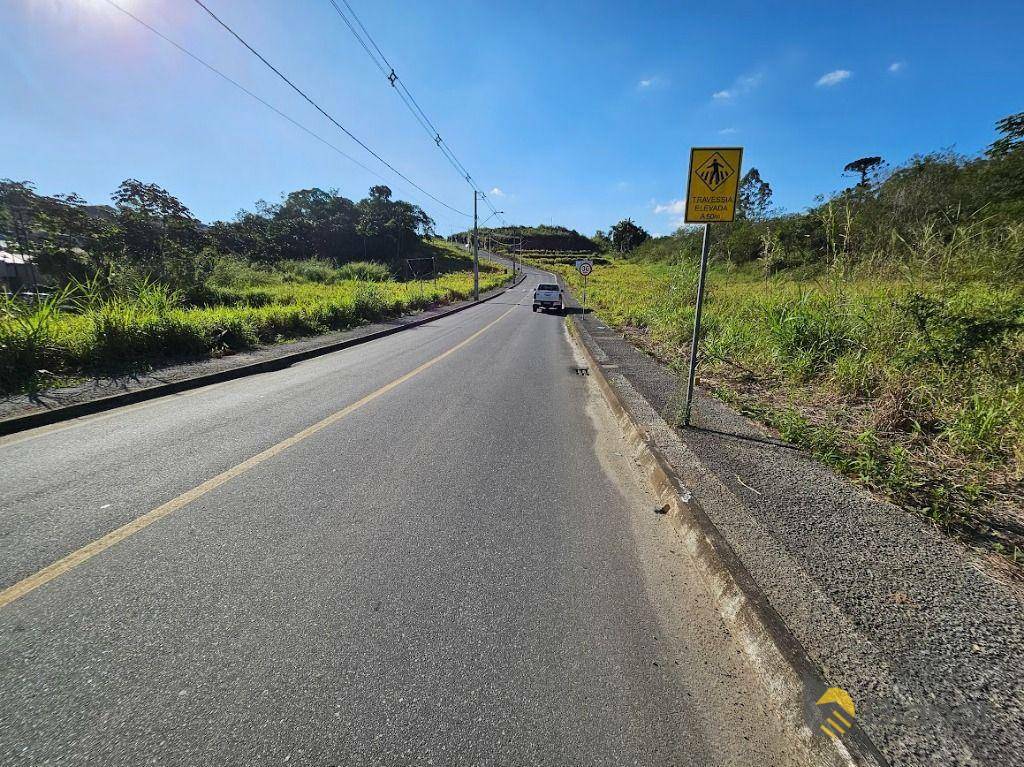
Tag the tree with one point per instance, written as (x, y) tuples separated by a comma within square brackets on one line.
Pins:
[(999, 178), (62, 236), (248, 236), (626, 235), (381, 219), (755, 196), (602, 240), (70, 241), (156, 236), (374, 215), (866, 167), (314, 223), (1012, 128), (18, 205)]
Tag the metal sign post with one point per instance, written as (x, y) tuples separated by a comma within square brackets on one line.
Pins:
[(712, 187), (704, 249), (584, 266)]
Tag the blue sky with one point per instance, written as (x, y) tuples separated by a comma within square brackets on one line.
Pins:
[(576, 113)]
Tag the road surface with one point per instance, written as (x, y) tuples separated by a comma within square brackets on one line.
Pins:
[(429, 549)]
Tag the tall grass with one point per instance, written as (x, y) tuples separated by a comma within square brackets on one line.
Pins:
[(904, 379), (88, 329)]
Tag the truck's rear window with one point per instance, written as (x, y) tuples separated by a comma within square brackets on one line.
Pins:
[(548, 287)]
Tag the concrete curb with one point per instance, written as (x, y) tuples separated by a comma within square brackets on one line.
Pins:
[(79, 409), (789, 676)]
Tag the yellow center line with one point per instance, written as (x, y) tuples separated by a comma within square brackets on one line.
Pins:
[(87, 552)]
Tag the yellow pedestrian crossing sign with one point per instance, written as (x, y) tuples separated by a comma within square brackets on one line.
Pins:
[(712, 184)]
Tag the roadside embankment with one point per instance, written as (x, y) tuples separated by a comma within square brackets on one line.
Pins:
[(881, 602)]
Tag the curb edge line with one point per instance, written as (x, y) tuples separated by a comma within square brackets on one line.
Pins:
[(39, 418), (775, 654)]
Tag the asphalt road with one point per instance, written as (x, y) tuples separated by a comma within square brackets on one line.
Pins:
[(429, 549)]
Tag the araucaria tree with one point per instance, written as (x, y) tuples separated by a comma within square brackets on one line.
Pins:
[(866, 167)]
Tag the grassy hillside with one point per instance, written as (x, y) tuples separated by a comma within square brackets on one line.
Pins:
[(539, 238), (910, 386)]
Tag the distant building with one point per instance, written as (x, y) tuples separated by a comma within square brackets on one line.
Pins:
[(17, 273)]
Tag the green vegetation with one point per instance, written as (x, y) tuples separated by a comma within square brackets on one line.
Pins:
[(883, 330), (535, 238), (127, 287), (550, 258), (623, 237), (148, 234), (86, 329)]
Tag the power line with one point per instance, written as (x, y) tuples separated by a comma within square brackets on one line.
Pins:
[(382, 63), (322, 111), (366, 41), (207, 65), (241, 87)]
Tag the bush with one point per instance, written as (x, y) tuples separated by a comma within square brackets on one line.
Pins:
[(951, 327), (233, 271), (366, 271), (310, 270)]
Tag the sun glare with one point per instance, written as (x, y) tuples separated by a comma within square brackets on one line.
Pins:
[(97, 15), (78, 8)]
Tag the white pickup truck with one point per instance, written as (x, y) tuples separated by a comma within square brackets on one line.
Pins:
[(548, 296)]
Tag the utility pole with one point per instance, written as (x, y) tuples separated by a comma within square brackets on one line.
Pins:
[(476, 255)]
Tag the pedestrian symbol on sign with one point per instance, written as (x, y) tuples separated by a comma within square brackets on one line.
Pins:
[(715, 171)]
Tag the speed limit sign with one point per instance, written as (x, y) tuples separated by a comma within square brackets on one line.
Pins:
[(584, 266)]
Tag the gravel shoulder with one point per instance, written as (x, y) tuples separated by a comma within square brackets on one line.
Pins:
[(926, 639)]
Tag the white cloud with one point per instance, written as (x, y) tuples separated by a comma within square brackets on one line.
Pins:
[(655, 82), (727, 131), (675, 210), (897, 66), (835, 77), (496, 192), (743, 85), (675, 207)]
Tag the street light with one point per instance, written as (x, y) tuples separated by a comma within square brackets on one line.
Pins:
[(495, 213), (476, 246)]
